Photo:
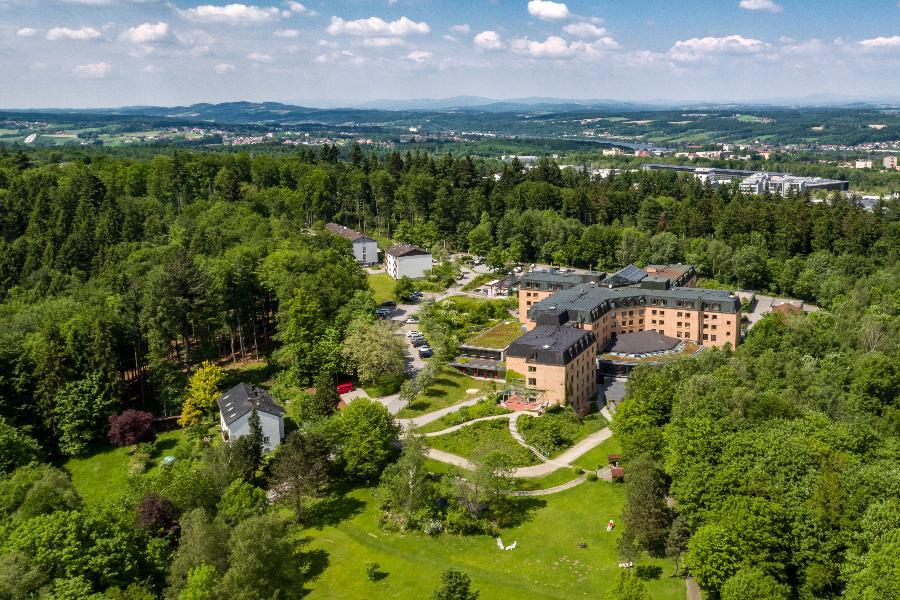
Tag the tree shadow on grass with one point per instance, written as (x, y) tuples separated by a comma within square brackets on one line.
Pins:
[(163, 445), (443, 381), (435, 393), (648, 572), (522, 510), (315, 563), (331, 511)]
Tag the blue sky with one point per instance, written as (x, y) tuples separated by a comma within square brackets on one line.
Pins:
[(102, 53)]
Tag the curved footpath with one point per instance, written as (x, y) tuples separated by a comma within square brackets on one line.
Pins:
[(545, 468)]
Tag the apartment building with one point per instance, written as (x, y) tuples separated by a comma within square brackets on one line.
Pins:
[(890, 163), (365, 249), (558, 361), (406, 260)]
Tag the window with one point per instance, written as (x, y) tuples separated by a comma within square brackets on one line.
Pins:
[(532, 369), (679, 323), (705, 336), (713, 337), (532, 381)]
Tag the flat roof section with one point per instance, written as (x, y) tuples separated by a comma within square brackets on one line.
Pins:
[(497, 337)]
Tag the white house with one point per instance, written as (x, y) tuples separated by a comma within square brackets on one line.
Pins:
[(407, 260), (236, 406), (365, 249)]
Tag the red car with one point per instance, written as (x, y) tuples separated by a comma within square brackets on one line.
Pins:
[(343, 388)]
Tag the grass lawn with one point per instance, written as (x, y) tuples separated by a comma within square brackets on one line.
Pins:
[(558, 477), (593, 459), (574, 430), (484, 408), (448, 388), (547, 564), (499, 336), (384, 387), (104, 474), (382, 286), (478, 281), (480, 438)]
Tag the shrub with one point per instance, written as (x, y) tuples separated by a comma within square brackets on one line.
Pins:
[(433, 527), (592, 476), (131, 427), (372, 570), (157, 514)]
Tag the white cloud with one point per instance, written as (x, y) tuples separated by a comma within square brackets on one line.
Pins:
[(195, 37), (152, 69), (382, 42), (764, 5), (546, 10), (419, 56), (812, 47), (231, 14), (584, 30), (26, 32), (488, 40), (450, 38), (553, 47), (881, 43), (93, 70), (259, 57), (64, 33), (286, 33), (327, 44), (462, 28), (145, 33), (224, 68), (299, 9), (376, 26), (696, 49)]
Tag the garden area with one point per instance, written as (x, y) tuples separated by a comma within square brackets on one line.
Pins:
[(449, 387), (480, 438), (546, 564), (485, 408), (558, 429)]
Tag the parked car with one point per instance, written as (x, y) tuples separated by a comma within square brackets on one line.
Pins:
[(417, 342), (343, 388), (413, 333), (417, 295), (382, 313), (389, 304), (425, 352), (412, 320)]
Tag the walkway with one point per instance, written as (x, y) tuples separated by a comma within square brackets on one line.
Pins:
[(466, 424), (434, 416), (553, 490)]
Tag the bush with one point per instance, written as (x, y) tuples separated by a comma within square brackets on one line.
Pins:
[(140, 458), (157, 514), (372, 570), (433, 527), (131, 427), (592, 476)]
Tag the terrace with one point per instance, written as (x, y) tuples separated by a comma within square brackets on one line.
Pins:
[(484, 355)]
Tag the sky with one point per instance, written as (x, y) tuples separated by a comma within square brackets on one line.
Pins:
[(107, 53)]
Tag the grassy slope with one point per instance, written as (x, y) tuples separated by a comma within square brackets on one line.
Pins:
[(382, 286), (589, 425), (593, 459), (104, 474), (546, 564), (482, 437), (448, 389)]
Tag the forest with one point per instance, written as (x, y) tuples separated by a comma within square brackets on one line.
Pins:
[(120, 275)]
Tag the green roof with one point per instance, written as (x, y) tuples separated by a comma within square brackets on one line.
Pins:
[(499, 336)]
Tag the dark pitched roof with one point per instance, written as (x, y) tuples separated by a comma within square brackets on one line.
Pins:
[(629, 275), (347, 233), (239, 400), (642, 342), (407, 250), (557, 345)]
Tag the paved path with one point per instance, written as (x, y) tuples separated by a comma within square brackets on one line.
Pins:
[(693, 590), (434, 416), (450, 459), (553, 490)]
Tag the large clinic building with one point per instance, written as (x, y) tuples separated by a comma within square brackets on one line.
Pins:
[(570, 316)]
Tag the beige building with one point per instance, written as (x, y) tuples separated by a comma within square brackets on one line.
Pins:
[(559, 362)]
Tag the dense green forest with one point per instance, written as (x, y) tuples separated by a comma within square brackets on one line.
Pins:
[(119, 275)]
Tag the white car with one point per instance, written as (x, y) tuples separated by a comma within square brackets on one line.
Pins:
[(412, 334)]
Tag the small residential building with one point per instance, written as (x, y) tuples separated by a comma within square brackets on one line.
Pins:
[(365, 249), (237, 404), (556, 364), (863, 164), (890, 163), (406, 260)]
